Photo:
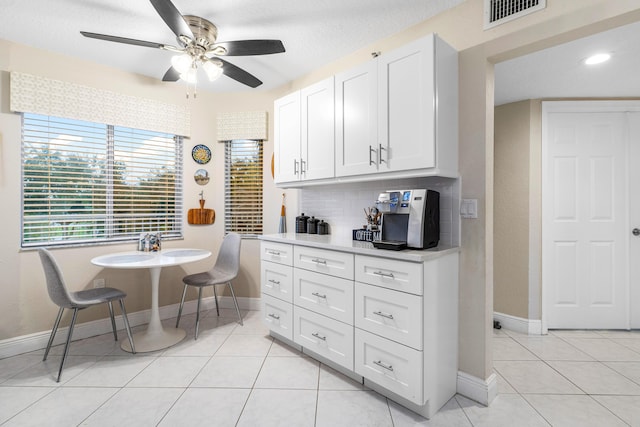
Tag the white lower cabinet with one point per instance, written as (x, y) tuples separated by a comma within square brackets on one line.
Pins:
[(390, 314), (389, 364), (327, 337), (278, 316), (392, 322)]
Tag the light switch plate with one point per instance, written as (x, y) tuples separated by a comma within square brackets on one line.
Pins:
[(469, 208)]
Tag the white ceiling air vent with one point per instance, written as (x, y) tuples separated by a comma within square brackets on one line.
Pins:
[(497, 12)]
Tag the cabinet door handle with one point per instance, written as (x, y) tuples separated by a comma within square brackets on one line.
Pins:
[(275, 282), (382, 314), (316, 294), (320, 337), (319, 261), (295, 167), (372, 150), (302, 166), (380, 273), (275, 316), (383, 365), (380, 150), (276, 253)]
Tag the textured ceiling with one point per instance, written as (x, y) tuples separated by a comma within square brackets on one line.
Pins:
[(314, 32)]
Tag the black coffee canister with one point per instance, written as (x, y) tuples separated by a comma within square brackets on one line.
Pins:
[(323, 227), (301, 223), (312, 225)]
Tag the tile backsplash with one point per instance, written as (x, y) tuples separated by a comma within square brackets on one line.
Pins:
[(342, 205)]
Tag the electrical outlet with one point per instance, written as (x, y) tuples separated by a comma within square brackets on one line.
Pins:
[(99, 283)]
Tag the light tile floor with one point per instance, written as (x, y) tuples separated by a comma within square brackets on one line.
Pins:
[(239, 376)]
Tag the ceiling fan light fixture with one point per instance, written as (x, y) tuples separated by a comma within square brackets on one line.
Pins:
[(190, 76), (212, 70), (182, 63)]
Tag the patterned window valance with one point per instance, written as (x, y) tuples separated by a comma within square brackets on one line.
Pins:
[(41, 95), (243, 125)]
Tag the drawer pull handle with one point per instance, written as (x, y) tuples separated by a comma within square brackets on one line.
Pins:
[(380, 273), (319, 261), (382, 314), (320, 337), (316, 294), (275, 316), (383, 365), (275, 282), (276, 253)]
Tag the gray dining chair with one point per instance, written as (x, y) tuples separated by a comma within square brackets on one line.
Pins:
[(223, 272), (61, 296)]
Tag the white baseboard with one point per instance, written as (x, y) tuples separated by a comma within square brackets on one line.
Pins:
[(518, 324), (477, 389), (38, 340)]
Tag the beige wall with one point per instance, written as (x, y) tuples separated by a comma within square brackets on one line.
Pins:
[(511, 209), (26, 309)]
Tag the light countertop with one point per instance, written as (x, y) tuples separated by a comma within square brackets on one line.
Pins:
[(345, 244)]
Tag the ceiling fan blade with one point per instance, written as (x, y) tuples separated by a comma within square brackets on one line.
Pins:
[(252, 47), (171, 75), (238, 74), (172, 17), (122, 40)]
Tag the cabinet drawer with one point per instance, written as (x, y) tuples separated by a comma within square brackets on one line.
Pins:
[(280, 253), (391, 314), (327, 295), (278, 316), (389, 364), (388, 273), (339, 264), (326, 337), (277, 280)]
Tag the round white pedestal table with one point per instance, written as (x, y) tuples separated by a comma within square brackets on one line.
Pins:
[(155, 337)]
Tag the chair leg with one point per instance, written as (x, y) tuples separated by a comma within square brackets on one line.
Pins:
[(53, 333), (235, 301), (184, 293), (215, 296), (198, 311), (127, 326), (113, 320), (66, 347)]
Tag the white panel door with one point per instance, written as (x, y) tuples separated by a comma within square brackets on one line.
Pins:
[(286, 132), (634, 217), (585, 220)]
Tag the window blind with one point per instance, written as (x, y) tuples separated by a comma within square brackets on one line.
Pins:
[(243, 187), (87, 182)]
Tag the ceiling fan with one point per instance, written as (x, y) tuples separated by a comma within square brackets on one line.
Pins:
[(197, 47)]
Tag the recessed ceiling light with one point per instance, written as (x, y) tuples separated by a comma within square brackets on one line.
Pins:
[(598, 58)]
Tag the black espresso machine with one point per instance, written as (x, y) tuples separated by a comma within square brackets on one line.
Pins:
[(410, 218)]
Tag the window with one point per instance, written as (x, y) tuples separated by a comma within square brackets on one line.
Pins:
[(92, 183), (243, 187)]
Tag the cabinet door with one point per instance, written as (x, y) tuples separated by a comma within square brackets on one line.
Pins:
[(406, 105), (356, 120), (286, 130), (318, 130)]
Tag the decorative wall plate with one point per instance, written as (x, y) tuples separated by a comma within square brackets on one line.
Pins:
[(201, 176), (201, 154)]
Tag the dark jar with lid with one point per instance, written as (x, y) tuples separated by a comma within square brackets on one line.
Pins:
[(323, 227), (301, 223), (312, 225)]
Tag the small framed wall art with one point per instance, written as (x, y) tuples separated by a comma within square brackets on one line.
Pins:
[(201, 154)]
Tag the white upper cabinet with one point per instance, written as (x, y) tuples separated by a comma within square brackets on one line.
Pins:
[(394, 116), (287, 138), (398, 113), (356, 120), (304, 134), (318, 131)]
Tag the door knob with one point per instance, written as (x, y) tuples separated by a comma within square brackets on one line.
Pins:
[(636, 231)]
